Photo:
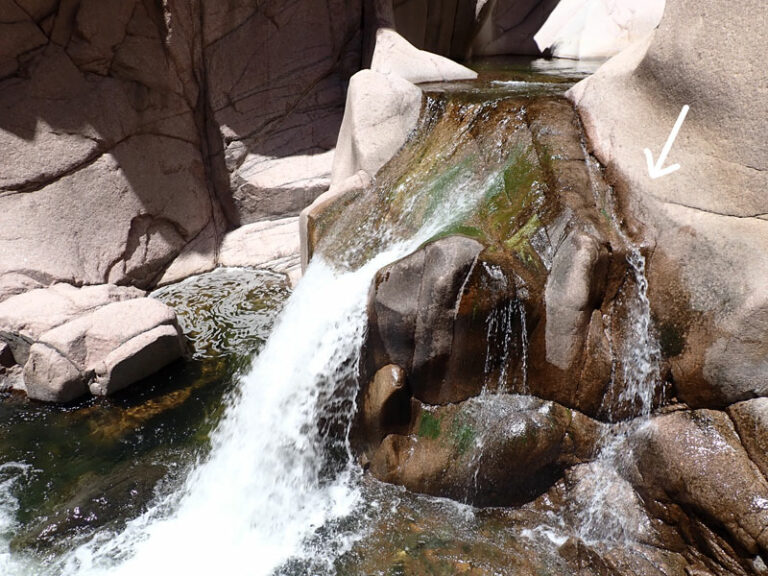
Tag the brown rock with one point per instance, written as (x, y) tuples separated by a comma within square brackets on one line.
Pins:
[(490, 450), (412, 316), (697, 460), (751, 421), (385, 407), (706, 220)]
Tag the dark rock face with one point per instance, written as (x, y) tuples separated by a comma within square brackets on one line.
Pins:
[(412, 318), (129, 128), (531, 303)]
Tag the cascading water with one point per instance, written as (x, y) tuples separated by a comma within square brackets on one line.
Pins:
[(635, 380), (280, 470)]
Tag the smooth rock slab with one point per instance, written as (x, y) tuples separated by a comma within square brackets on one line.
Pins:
[(381, 111), (395, 55)]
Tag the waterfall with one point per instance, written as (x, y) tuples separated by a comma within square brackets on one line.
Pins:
[(279, 480)]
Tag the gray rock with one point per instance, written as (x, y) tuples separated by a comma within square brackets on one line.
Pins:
[(569, 297)]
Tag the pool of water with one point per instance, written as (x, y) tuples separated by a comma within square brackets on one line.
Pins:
[(95, 464)]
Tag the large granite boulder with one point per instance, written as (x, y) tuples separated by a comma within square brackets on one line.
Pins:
[(381, 111), (695, 460), (393, 54), (99, 338), (497, 449), (707, 221), (103, 172), (276, 74)]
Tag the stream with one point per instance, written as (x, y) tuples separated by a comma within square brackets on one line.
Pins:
[(237, 460)]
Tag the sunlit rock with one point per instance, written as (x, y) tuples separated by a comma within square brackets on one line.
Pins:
[(381, 110)]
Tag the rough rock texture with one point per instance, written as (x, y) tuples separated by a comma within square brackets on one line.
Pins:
[(381, 111), (131, 128), (535, 293), (412, 318), (103, 175), (490, 450), (26, 317), (276, 73), (695, 460), (708, 221), (100, 337), (271, 244)]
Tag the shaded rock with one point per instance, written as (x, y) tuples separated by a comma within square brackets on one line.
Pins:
[(695, 459), (197, 257), (267, 188), (6, 356), (412, 313), (380, 113), (490, 450), (52, 377), (583, 29), (26, 317), (444, 28), (707, 221), (276, 74), (393, 54), (508, 26), (385, 406), (271, 244)]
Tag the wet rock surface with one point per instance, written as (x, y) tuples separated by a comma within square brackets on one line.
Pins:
[(707, 220)]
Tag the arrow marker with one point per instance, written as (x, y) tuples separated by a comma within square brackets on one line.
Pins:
[(656, 171)]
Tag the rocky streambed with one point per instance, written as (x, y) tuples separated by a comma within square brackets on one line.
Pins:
[(468, 380)]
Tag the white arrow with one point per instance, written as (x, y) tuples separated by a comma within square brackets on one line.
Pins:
[(656, 171)]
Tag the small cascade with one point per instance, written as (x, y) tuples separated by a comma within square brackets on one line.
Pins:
[(280, 476), (506, 336), (607, 516)]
